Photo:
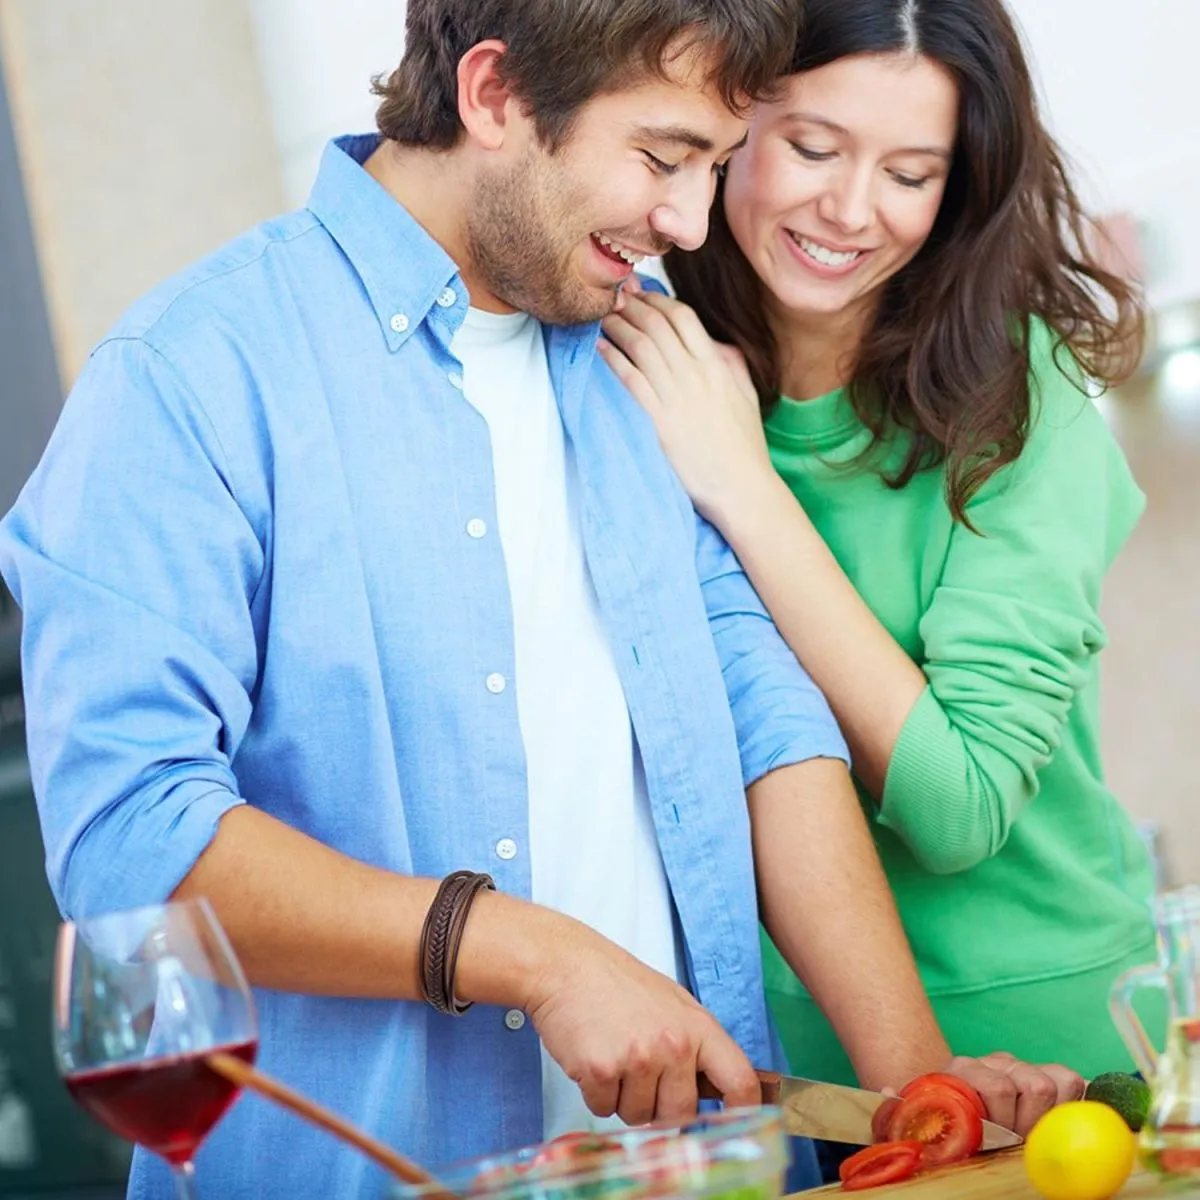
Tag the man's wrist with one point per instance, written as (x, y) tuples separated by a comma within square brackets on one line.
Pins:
[(510, 952)]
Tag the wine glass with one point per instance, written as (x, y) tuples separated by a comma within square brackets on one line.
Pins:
[(141, 999)]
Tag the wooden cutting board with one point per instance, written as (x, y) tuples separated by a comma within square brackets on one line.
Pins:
[(1001, 1176)]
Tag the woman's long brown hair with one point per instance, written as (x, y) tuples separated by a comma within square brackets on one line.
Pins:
[(947, 357)]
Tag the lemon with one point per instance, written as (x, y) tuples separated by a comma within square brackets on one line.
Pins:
[(1079, 1151)]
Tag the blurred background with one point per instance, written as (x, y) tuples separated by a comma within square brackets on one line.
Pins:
[(136, 135)]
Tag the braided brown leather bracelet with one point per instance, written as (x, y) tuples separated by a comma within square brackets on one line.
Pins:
[(441, 938)]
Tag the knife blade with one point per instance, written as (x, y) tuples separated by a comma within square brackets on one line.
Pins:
[(835, 1113)]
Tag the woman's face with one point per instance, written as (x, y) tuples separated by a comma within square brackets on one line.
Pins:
[(840, 182)]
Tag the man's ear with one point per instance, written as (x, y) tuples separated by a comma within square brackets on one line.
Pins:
[(483, 96)]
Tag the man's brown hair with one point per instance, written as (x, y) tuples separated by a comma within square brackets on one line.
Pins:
[(562, 53)]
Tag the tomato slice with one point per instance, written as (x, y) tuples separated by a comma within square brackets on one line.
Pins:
[(889, 1162), (576, 1148), (937, 1079), (883, 1118), (672, 1164), (942, 1120)]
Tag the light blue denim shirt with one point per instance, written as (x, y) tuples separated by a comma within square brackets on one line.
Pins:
[(259, 563)]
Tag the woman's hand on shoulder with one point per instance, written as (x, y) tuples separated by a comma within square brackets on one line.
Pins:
[(699, 395)]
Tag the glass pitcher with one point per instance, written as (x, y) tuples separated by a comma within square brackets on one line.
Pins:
[(1170, 1138)]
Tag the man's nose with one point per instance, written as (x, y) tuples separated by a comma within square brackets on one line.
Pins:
[(684, 221)]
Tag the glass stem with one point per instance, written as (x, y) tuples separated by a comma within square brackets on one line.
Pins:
[(185, 1181)]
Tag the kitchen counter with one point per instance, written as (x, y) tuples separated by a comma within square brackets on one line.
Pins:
[(1001, 1176)]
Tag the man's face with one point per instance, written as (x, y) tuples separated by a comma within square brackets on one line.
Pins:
[(556, 234)]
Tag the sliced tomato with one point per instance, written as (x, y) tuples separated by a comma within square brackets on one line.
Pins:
[(882, 1119), (672, 1164), (937, 1079), (889, 1162), (942, 1120), (575, 1148)]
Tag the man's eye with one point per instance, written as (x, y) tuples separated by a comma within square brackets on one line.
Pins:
[(658, 166)]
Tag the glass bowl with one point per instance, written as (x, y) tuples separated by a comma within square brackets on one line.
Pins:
[(736, 1154)]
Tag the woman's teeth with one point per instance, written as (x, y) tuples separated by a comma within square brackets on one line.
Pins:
[(828, 258), (620, 251)]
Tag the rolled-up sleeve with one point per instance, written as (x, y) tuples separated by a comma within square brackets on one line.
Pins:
[(781, 716), (134, 566)]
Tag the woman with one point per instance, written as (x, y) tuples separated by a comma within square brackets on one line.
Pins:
[(901, 263)]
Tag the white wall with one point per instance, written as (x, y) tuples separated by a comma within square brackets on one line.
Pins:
[(145, 142), (318, 59), (1121, 84)]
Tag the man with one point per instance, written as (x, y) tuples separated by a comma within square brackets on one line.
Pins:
[(350, 566)]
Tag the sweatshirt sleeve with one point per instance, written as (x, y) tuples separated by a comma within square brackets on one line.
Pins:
[(1010, 631)]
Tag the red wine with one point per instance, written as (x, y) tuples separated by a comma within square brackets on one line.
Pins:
[(167, 1105)]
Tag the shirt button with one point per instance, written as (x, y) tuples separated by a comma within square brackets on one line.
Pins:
[(447, 298), (400, 323), (496, 683), (476, 528), (456, 380), (506, 849), (514, 1019)]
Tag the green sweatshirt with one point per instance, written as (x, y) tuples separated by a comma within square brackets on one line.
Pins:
[(1021, 881)]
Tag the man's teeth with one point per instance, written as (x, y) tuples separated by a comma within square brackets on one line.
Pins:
[(620, 251), (829, 258)]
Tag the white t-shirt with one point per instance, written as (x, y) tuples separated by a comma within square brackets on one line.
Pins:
[(594, 853)]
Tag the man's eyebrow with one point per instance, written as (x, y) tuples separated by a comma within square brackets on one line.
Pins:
[(834, 127), (681, 135)]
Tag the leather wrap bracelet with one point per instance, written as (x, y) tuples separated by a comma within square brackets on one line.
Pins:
[(441, 938)]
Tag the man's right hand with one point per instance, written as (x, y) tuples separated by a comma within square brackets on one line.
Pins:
[(632, 1039), (304, 918)]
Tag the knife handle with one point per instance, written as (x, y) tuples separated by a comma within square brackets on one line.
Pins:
[(770, 1082)]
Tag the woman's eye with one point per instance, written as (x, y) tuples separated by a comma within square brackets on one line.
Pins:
[(658, 166), (909, 181), (812, 155)]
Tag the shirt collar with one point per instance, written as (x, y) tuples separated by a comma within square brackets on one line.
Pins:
[(404, 270)]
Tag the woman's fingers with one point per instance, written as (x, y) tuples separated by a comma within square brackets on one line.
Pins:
[(687, 326), (652, 346), (635, 382), (735, 360)]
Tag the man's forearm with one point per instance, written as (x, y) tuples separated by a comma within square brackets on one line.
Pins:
[(827, 906), (304, 918)]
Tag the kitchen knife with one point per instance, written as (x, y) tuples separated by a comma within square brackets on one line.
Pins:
[(835, 1113)]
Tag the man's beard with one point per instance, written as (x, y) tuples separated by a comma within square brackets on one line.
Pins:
[(519, 253)]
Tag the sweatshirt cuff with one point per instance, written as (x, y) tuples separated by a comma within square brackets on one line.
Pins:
[(927, 799)]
